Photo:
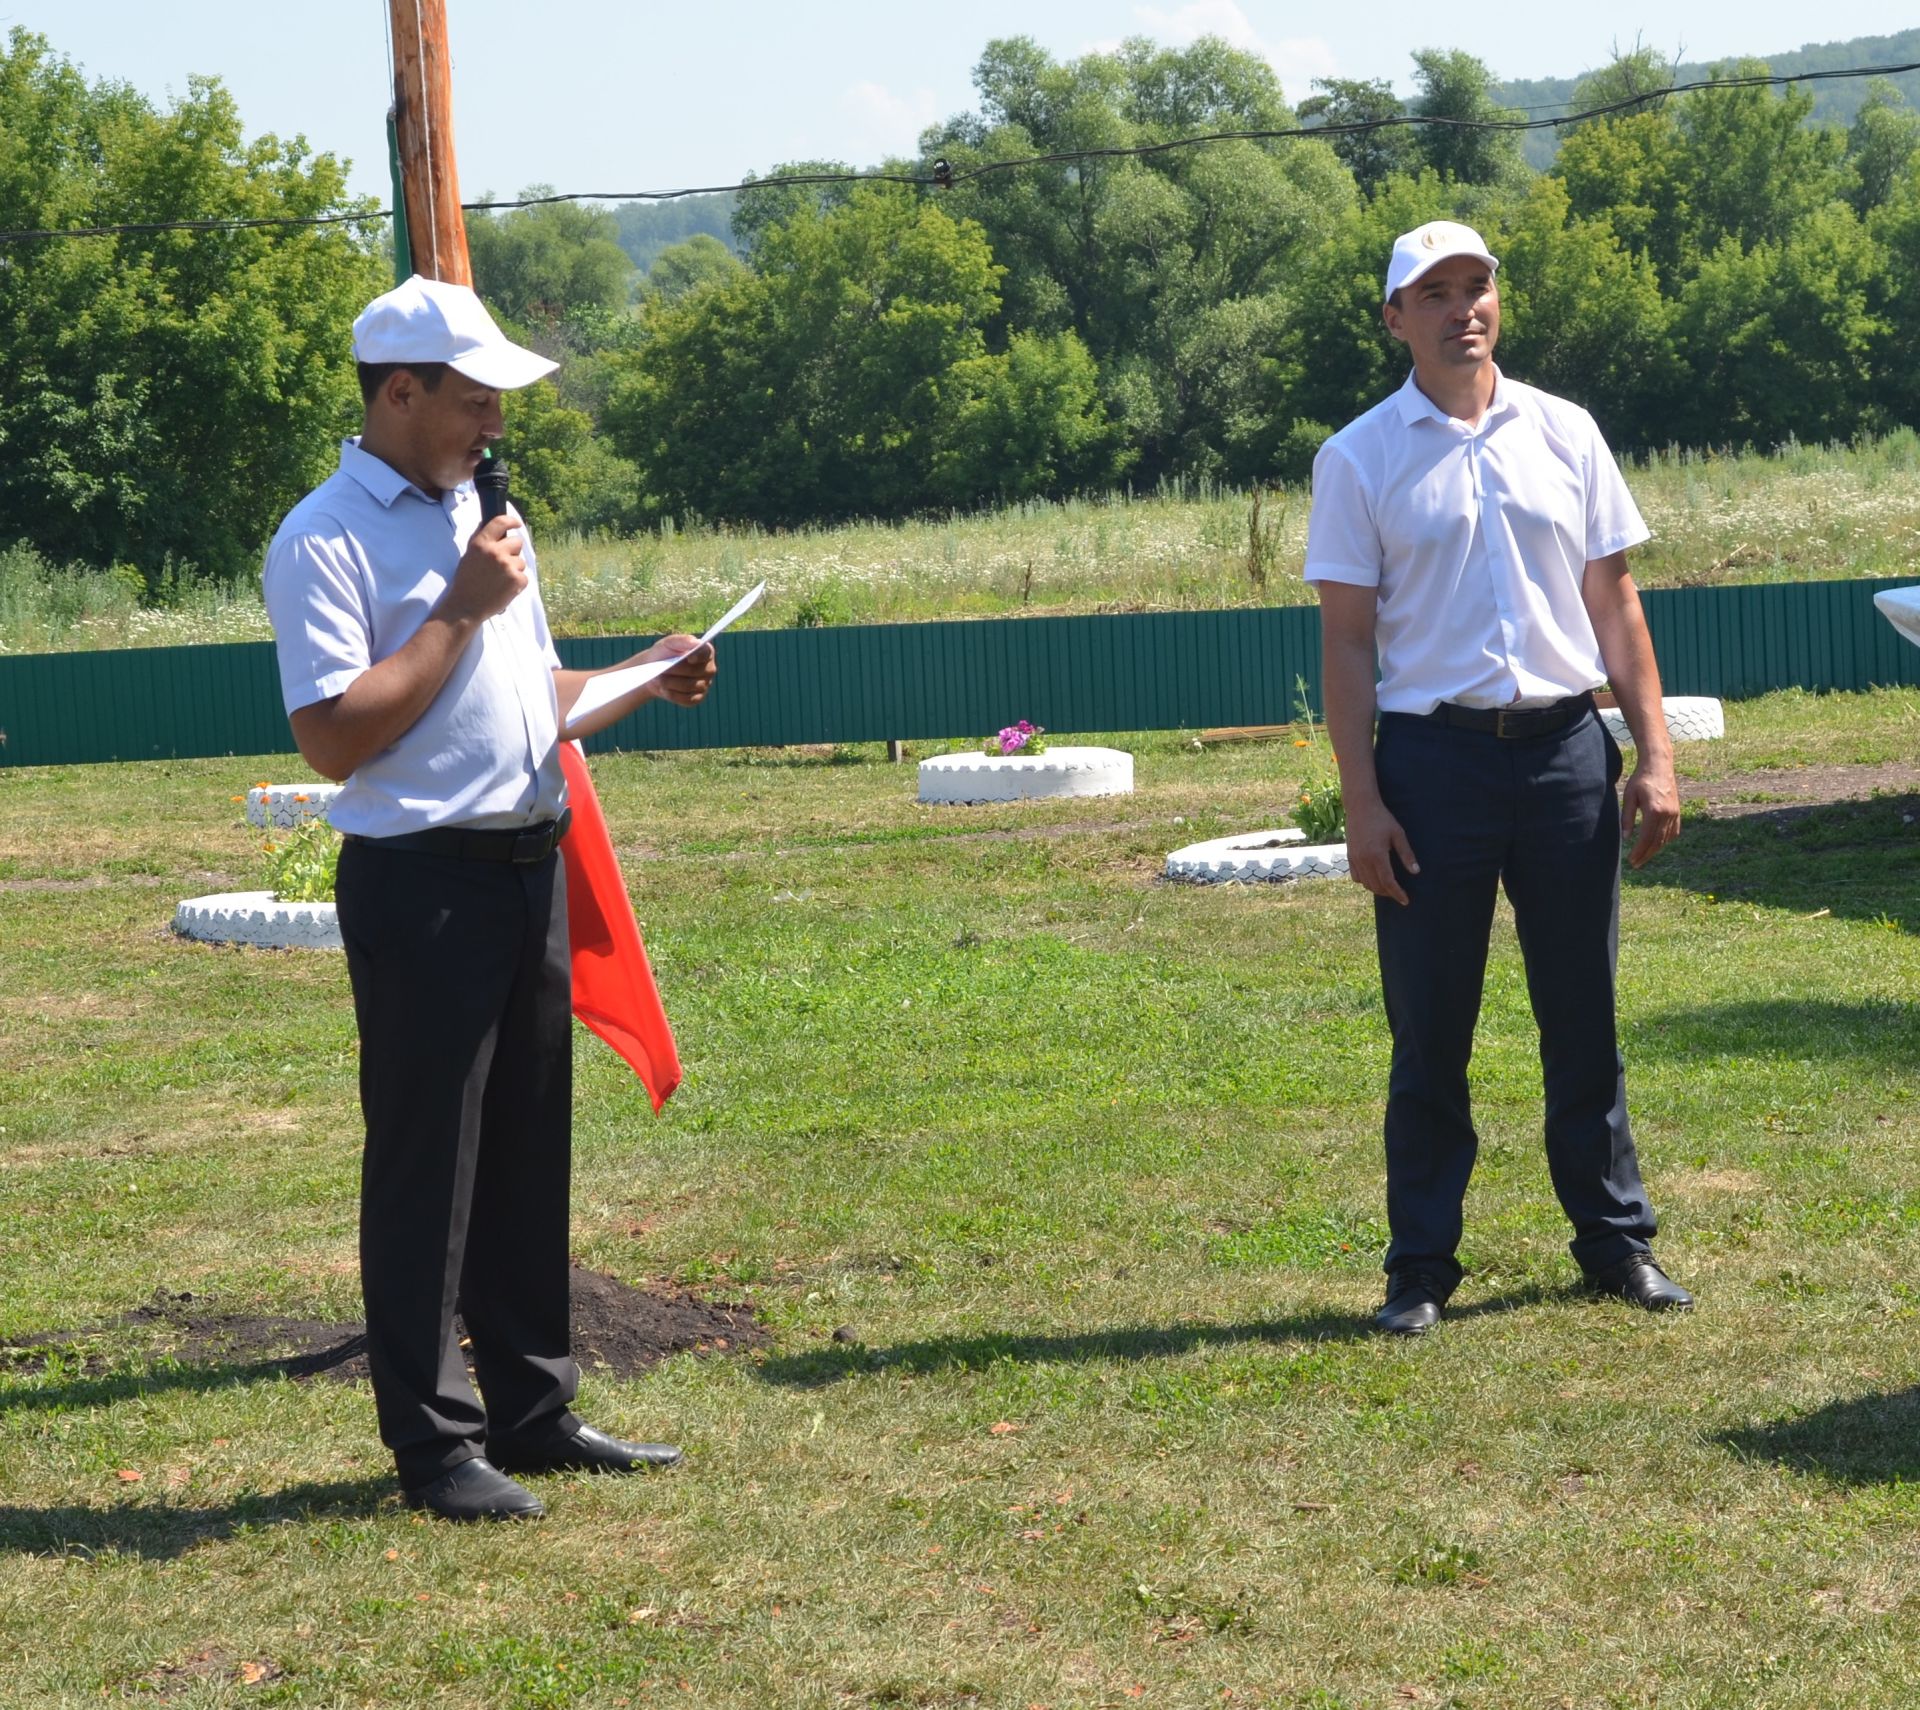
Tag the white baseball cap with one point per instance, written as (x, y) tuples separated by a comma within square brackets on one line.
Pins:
[(428, 320), (1429, 245)]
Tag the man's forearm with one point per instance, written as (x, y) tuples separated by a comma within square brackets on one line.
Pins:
[(338, 736), (1626, 650), (1347, 677)]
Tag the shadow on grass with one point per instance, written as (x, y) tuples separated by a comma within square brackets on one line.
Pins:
[(160, 1531), (1857, 860), (1872, 1439), (816, 1367), (1879, 1031), (102, 1389)]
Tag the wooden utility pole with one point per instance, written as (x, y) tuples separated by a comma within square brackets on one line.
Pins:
[(423, 128)]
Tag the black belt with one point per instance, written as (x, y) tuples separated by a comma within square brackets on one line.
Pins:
[(1508, 722), (524, 844)]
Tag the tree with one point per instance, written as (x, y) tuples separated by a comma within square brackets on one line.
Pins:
[(165, 396), (1895, 229), (544, 443), (1025, 421), (849, 375), (1640, 74), (1883, 141), (1456, 90), (1755, 167), (1635, 171), (1781, 339), (769, 202), (1130, 252), (684, 267), (1582, 316), (1372, 156), (536, 266)]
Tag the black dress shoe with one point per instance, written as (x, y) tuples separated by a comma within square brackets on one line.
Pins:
[(1414, 1300), (583, 1449), (1638, 1280), (477, 1490)]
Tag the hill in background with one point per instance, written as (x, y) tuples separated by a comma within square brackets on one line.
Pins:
[(646, 228), (1834, 102)]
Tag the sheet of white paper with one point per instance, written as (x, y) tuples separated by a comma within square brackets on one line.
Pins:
[(609, 686)]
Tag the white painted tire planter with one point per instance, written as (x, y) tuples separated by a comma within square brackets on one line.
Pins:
[(1901, 608), (253, 917), (1256, 857), (964, 778), (272, 807), (1690, 718)]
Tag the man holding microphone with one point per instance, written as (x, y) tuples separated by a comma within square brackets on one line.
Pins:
[(417, 668)]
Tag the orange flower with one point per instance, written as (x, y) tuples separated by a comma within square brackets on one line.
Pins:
[(1300, 742), (299, 798), (239, 798)]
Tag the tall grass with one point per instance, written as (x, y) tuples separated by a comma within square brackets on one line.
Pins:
[(1796, 513)]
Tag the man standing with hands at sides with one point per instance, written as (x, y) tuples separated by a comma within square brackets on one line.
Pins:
[(417, 668), (1473, 532)]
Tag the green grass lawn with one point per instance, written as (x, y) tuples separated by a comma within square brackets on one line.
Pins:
[(1086, 1167)]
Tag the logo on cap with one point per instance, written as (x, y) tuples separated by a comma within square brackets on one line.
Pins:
[(1430, 239)]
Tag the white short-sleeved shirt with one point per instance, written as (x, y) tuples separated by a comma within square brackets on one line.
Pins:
[(1477, 539), (351, 576)]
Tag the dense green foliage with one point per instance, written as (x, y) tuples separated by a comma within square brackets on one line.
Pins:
[(164, 396), (848, 372), (1711, 268), (1714, 268)]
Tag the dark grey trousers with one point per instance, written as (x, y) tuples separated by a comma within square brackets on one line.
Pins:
[(1541, 817), (462, 988)]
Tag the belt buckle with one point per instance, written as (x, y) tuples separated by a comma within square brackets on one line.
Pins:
[(1500, 722)]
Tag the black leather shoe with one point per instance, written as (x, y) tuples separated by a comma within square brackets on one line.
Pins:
[(1414, 1300), (583, 1449), (1639, 1281), (477, 1490)]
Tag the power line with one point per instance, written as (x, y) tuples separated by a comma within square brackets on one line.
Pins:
[(945, 177)]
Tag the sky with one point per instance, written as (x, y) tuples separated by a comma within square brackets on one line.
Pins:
[(618, 96)]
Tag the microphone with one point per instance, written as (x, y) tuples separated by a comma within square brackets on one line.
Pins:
[(490, 481)]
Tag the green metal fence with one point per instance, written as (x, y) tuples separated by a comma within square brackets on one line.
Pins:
[(1151, 671)]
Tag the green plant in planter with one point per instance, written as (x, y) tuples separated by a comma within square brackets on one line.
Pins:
[(300, 866), (1317, 809)]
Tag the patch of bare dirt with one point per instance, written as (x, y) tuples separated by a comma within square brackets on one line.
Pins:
[(617, 1329), (208, 1665), (1789, 787)]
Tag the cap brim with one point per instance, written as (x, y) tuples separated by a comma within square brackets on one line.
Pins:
[(504, 367)]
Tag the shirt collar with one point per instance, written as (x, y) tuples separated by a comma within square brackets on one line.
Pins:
[(1415, 405), (381, 480)]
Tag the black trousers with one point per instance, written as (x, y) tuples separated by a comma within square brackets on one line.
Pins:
[(1541, 817), (462, 989)]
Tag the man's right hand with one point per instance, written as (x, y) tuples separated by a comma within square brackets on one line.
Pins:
[(1374, 837), (491, 573)]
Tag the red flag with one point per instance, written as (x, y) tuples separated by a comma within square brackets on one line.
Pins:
[(613, 989)]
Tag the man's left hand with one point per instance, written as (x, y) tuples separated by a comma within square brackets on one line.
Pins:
[(1652, 797), (687, 683)]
